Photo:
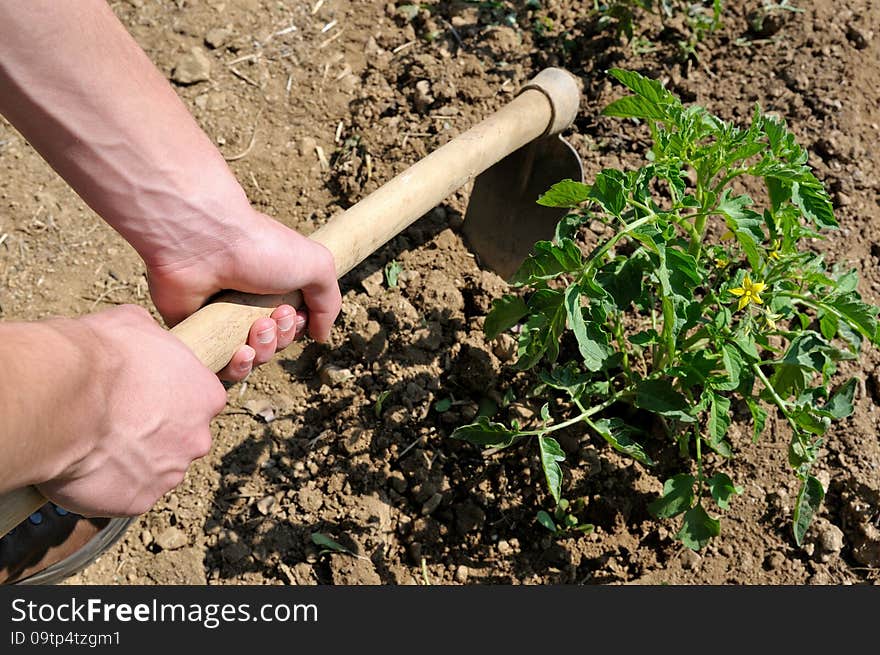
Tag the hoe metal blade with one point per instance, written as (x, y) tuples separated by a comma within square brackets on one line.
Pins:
[(503, 220)]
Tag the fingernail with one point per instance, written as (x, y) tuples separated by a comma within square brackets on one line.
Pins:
[(285, 323), (247, 364), (300, 322), (266, 335)]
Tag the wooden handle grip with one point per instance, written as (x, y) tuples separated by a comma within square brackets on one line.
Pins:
[(548, 104)]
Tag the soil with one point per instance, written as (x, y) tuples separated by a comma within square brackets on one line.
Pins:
[(344, 439)]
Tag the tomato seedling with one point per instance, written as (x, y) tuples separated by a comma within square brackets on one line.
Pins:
[(701, 302)]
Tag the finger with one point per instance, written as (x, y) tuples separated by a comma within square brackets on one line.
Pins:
[(323, 303), (288, 322), (263, 338), (240, 366)]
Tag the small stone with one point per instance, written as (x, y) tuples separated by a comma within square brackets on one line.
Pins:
[(172, 539), (374, 284), (217, 37), (146, 537), (829, 540), (398, 482), (266, 505), (422, 97), (193, 67), (857, 37), (334, 376), (235, 552), (432, 504), (306, 146), (504, 347), (690, 560), (597, 227), (461, 574), (774, 560)]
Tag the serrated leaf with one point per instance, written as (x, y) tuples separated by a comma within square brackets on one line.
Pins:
[(652, 100), (678, 496), (634, 107), (505, 313), (551, 455), (547, 261), (759, 417), (811, 198), (698, 528), (859, 315), (592, 342), (840, 405), (722, 489), (809, 500), (828, 324), (568, 226), (566, 193), (619, 436), (718, 424), (609, 191), (484, 432), (659, 397)]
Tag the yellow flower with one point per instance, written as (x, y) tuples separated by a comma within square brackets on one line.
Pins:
[(748, 292), (720, 262), (774, 254)]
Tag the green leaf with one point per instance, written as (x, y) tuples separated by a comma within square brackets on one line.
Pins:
[(759, 417), (486, 433), (568, 225), (722, 488), (547, 261), (859, 315), (652, 100), (545, 520), (567, 193), (678, 496), (393, 269), (698, 528), (659, 397), (592, 342), (644, 338), (551, 455), (619, 436), (505, 313), (443, 405), (811, 198), (325, 542), (809, 499), (609, 190), (828, 325), (840, 405), (541, 333), (568, 378), (634, 107), (719, 422)]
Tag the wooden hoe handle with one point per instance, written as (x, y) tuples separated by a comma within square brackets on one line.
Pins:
[(547, 105)]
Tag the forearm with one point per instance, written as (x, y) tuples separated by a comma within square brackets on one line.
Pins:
[(45, 399), (84, 94)]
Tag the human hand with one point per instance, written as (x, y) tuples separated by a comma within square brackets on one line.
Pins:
[(134, 429), (255, 254)]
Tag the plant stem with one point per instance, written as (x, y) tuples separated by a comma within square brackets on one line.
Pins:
[(585, 413), (779, 402)]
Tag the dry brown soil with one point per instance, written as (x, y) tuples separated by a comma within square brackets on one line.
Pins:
[(352, 96)]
